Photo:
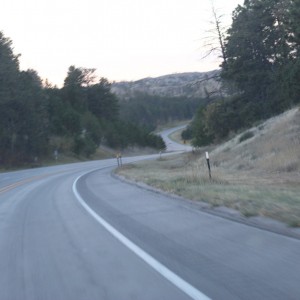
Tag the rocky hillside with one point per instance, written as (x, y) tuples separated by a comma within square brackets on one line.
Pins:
[(193, 84)]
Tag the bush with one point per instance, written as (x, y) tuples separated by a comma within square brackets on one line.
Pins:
[(187, 134), (245, 136)]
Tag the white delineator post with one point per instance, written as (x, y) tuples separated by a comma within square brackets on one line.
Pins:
[(208, 164)]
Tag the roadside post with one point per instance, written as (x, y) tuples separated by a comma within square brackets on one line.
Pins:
[(120, 156), (55, 153), (208, 164), (118, 161)]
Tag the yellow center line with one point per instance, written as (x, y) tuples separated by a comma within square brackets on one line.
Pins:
[(18, 183)]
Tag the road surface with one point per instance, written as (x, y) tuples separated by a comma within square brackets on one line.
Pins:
[(76, 232), (171, 145)]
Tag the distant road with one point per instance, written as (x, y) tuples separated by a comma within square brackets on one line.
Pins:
[(171, 145), (75, 232)]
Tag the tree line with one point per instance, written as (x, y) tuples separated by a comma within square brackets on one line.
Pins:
[(152, 110), (260, 70), (38, 119)]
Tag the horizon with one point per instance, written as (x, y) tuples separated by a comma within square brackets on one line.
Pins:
[(163, 75)]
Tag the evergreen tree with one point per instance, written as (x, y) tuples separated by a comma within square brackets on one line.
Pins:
[(9, 70), (101, 102), (23, 114), (73, 91), (36, 120), (294, 38), (32, 118), (201, 136), (258, 49)]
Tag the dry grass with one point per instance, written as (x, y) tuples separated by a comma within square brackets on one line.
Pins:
[(258, 176)]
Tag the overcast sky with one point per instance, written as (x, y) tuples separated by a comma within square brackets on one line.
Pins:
[(122, 39)]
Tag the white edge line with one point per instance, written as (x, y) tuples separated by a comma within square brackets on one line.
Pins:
[(156, 265)]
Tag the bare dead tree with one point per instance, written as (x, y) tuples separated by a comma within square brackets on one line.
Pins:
[(213, 41), (220, 31)]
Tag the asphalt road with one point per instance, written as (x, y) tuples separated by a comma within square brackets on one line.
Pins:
[(76, 232), (171, 145)]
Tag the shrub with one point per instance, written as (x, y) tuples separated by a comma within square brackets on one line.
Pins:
[(245, 136)]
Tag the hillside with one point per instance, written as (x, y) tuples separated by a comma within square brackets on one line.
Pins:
[(190, 85), (270, 149), (257, 172)]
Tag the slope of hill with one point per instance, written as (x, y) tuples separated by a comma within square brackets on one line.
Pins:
[(256, 173), (272, 148), (193, 84)]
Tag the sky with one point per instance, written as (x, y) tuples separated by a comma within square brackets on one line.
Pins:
[(121, 39)]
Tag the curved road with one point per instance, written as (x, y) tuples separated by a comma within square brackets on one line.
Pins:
[(76, 232), (171, 145)]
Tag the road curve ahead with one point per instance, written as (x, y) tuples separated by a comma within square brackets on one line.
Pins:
[(172, 145), (76, 232)]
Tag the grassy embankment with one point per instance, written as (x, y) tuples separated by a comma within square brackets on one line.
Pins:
[(257, 172)]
